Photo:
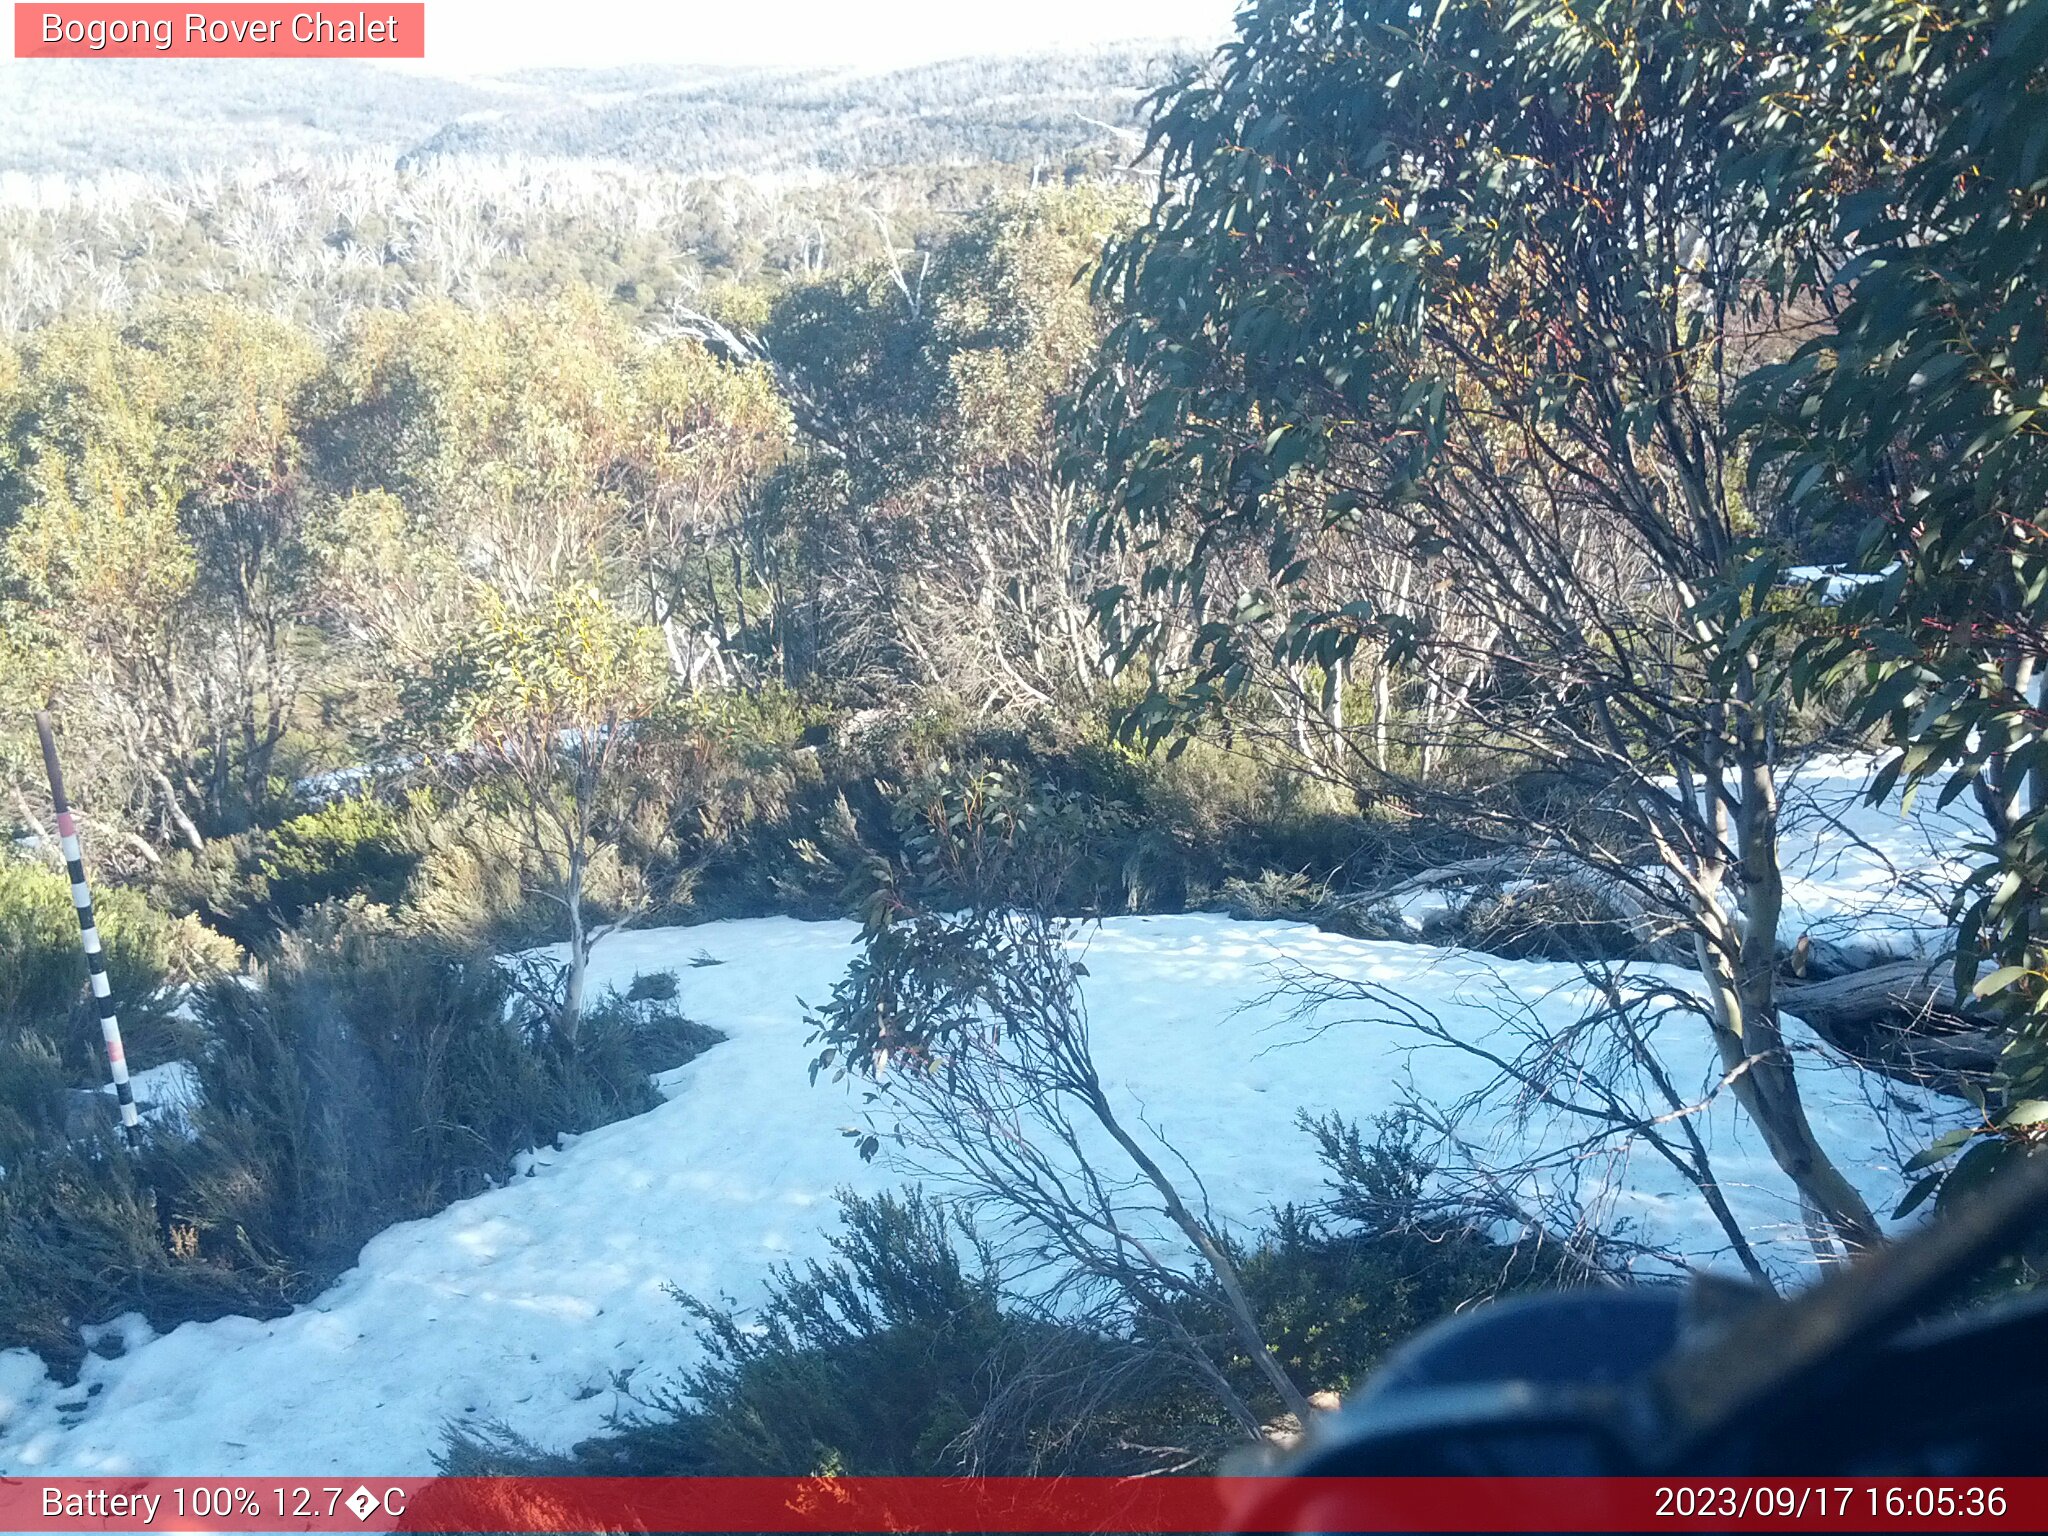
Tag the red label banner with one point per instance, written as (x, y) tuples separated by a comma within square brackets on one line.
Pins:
[(225, 31)]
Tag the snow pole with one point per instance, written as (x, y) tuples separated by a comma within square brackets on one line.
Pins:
[(88, 930)]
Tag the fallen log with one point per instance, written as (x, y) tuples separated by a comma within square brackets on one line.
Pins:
[(1651, 932), (1901, 1015)]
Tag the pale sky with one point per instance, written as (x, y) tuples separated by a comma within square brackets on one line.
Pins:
[(473, 36)]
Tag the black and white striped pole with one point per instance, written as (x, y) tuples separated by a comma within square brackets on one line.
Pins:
[(88, 930)]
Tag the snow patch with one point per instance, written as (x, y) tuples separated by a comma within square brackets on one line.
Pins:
[(167, 1093), (1869, 883), (1831, 584), (524, 1303)]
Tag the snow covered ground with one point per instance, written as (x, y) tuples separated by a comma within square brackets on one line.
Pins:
[(1870, 883), (1831, 584), (1865, 883), (167, 1091), (531, 1304)]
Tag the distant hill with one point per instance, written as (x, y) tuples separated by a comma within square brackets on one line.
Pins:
[(84, 116), (1007, 111), (152, 116)]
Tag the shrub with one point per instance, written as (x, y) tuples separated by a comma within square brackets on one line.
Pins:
[(777, 805), (479, 880), (653, 986), (338, 1099), (371, 1078), (255, 883), (783, 809), (1333, 1302), (1275, 895), (889, 1361), (212, 883), (378, 1081), (906, 1356), (32, 1096), (621, 1044), (81, 1241), (43, 974), (354, 846)]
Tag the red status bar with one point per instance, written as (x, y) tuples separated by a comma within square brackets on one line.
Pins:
[(1050, 1505)]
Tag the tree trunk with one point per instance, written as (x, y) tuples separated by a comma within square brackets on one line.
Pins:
[(1382, 713), (174, 809), (46, 845), (1743, 992), (1290, 1395), (571, 1017), (1333, 709)]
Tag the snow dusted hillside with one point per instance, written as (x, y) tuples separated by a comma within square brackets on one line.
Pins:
[(532, 1303)]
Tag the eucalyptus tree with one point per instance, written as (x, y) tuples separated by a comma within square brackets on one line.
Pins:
[(1915, 423), (492, 429), (1001, 604), (706, 436), (1429, 343), (543, 705), (533, 444), (161, 541), (947, 538)]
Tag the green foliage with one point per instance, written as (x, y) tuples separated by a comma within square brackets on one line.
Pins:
[(378, 1080), (953, 364), (1421, 282), (82, 1241), (1274, 895), (43, 975), (255, 884), (459, 411), (874, 1365), (906, 1357), (549, 708), (897, 1359), (623, 1042), (476, 884), (1333, 1303), (1352, 276), (780, 805), (373, 1078), (521, 677), (338, 1100), (1914, 426), (33, 1084), (657, 986), (860, 346), (353, 846), (485, 874), (161, 535), (1339, 1286)]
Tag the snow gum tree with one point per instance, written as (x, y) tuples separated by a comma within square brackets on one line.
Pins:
[(1425, 365), (531, 443), (971, 1038), (944, 542), (1915, 424), (543, 704), (161, 557)]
